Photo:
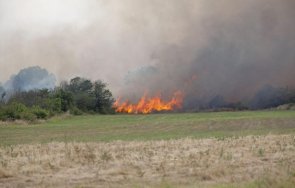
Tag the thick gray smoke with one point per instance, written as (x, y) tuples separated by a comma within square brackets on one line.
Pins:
[(30, 79), (236, 49), (205, 48)]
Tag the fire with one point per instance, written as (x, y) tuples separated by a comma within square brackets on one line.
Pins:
[(148, 105)]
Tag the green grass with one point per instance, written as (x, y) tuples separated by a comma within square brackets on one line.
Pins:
[(151, 127)]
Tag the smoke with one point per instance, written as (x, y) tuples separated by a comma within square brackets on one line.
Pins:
[(30, 79), (228, 53), (207, 49)]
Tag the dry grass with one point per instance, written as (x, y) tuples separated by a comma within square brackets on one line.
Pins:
[(174, 163), (16, 122)]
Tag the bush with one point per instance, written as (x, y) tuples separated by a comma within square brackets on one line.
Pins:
[(76, 111), (16, 111), (12, 111), (39, 112), (29, 116), (78, 97)]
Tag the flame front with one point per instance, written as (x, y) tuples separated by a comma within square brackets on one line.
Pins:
[(148, 105)]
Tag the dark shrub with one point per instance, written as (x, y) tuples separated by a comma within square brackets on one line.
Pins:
[(29, 116), (40, 113), (12, 111), (76, 111)]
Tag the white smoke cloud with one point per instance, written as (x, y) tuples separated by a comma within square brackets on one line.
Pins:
[(29, 79), (230, 45)]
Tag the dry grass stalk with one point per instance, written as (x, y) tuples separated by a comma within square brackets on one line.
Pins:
[(183, 162)]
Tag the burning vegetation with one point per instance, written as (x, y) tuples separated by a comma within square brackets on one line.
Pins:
[(148, 105)]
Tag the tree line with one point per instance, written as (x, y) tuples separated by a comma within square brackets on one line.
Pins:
[(77, 96)]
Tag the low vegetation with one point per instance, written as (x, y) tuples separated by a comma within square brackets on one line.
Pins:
[(77, 97), (107, 128), (82, 96), (215, 150), (251, 161)]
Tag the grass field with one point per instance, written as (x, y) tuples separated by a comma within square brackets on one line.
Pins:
[(150, 127), (213, 150)]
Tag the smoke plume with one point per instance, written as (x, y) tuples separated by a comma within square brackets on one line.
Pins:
[(30, 79), (223, 51)]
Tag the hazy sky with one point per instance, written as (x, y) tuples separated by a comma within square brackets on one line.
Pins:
[(68, 37), (93, 38), (227, 43)]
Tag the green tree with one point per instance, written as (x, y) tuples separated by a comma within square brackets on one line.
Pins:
[(90, 96), (79, 84), (103, 98), (65, 98)]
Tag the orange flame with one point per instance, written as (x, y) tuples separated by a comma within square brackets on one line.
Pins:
[(148, 105)]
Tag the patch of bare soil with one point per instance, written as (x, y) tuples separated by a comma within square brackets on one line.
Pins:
[(181, 163)]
